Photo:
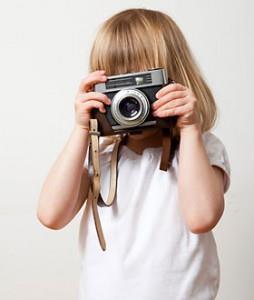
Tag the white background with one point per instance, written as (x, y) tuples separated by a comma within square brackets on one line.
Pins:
[(44, 54)]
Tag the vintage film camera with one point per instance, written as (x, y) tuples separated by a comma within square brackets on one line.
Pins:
[(132, 95)]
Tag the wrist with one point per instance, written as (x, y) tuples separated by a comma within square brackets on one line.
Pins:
[(81, 128), (193, 129)]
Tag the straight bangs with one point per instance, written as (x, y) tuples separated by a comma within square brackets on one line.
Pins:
[(128, 44)]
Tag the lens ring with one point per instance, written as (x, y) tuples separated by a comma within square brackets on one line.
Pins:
[(141, 114)]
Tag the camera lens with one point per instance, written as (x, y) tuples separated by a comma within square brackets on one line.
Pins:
[(129, 107)]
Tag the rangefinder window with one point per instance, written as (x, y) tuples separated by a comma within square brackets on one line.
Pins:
[(128, 81)]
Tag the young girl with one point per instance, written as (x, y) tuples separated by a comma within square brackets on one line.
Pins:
[(160, 244)]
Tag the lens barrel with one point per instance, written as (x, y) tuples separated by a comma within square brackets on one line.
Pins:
[(130, 107)]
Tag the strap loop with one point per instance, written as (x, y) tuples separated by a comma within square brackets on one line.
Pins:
[(94, 195)]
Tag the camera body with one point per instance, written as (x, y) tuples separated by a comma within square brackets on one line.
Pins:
[(132, 95)]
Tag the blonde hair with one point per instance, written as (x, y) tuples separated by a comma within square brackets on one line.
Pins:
[(137, 39)]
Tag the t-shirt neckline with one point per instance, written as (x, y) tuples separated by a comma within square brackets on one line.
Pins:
[(147, 149)]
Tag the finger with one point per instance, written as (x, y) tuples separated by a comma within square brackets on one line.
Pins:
[(93, 78), (177, 111), (169, 88), (94, 104), (87, 84), (172, 104), (168, 97), (94, 96)]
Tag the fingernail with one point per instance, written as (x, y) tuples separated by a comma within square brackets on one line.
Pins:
[(102, 71), (104, 78)]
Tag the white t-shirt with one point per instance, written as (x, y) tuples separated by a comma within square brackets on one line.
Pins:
[(151, 254)]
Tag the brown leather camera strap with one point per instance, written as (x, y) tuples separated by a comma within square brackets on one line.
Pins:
[(94, 196), (94, 190), (166, 147)]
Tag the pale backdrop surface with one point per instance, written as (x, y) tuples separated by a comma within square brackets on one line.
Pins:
[(44, 54)]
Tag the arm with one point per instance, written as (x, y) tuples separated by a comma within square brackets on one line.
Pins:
[(201, 189), (66, 186), (200, 184)]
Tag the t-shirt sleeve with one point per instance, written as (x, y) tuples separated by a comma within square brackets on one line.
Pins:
[(217, 155)]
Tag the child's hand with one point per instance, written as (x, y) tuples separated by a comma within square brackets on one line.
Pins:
[(86, 99), (176, 99)]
